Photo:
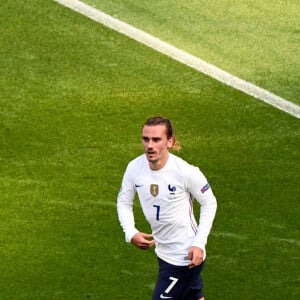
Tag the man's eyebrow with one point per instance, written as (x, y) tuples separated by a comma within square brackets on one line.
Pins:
[(152, 138)]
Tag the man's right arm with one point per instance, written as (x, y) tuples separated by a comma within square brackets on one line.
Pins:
[(125, 213), (125, 207)]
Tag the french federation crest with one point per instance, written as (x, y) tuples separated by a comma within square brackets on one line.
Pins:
[(154, 190)]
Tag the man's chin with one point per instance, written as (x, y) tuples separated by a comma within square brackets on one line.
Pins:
[(151, 158)]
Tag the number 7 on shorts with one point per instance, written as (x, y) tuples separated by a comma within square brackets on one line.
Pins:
[(169, 288)]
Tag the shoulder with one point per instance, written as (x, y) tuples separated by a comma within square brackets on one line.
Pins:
[(137, 163), (133, 168), (180, 163), (189, 171)]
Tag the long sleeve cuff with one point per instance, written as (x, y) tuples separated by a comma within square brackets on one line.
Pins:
[(129, 235)]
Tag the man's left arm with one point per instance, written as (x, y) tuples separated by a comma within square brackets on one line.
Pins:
[(202, 192)]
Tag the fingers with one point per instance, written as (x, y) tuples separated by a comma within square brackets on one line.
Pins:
[(143, 240), (196, 257)]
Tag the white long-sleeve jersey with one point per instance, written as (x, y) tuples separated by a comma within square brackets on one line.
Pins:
[(166, 198)]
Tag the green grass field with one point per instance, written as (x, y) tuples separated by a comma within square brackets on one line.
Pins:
[(73, 98), (255, 40)]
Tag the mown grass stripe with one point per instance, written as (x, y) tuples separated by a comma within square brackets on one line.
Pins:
[(182, 56)]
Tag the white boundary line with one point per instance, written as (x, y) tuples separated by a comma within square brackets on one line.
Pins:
[(182, 56)]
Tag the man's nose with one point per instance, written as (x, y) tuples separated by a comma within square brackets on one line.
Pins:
[(150, 143)]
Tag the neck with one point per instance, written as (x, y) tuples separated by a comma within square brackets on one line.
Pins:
[(158, 164), (154, 166)]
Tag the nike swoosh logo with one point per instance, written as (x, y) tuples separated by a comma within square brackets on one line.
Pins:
[(138, 185), (164, 297)]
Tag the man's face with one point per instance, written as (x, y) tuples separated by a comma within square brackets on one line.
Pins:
[(156, 144)]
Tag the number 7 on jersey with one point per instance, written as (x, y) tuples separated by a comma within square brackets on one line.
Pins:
[(157, 211)]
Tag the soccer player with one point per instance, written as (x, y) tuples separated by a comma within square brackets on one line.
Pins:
[(166, 186)]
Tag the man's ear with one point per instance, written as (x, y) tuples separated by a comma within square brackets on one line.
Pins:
[(171, 142)]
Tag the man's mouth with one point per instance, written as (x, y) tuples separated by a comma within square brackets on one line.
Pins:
[(151, 152)]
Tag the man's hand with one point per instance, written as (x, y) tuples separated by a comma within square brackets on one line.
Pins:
[(196, 256), (143, 240)]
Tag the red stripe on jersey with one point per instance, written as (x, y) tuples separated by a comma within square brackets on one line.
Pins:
[(192, 217)]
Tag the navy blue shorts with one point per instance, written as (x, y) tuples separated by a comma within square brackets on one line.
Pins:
[(178, 282)]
